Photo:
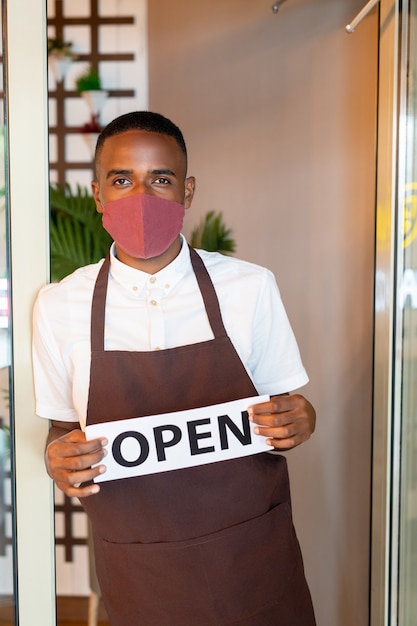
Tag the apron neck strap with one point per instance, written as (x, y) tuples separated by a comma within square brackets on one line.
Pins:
[(211, 301), (208, 293), (98, 307)]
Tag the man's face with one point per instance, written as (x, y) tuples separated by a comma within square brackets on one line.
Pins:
[(139, 161)]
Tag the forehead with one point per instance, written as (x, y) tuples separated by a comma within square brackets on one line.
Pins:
[(140, 148)]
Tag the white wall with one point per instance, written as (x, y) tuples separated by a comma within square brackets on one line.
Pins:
[(279, 114)]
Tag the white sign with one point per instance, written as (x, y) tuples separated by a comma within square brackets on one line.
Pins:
[(160, 443)]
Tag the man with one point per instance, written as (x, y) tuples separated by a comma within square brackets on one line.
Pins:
[(212, 544)]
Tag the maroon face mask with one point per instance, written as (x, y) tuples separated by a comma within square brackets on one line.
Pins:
[(143, 226)]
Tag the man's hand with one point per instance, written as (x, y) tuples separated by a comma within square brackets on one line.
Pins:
[(285, 420), (69, 457)]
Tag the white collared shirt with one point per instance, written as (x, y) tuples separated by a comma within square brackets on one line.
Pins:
[(152, 312)]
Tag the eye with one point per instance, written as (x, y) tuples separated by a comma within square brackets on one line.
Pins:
[(162, 181), (121, 181)]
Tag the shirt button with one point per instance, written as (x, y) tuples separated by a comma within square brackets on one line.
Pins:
[(152, 280), (154, 302), (135, 288), (167, 286), (157, 348)]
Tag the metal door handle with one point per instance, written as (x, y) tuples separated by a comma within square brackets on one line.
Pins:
[(353, 24)]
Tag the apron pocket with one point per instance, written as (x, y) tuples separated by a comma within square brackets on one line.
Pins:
[(252, 567), (220, 578), (154, 584)]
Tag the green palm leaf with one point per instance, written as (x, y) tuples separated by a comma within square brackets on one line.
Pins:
[(213, 235), (77, 236)]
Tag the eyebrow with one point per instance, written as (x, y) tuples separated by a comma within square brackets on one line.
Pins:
[(157, 172), (163, 173), (111, 173)]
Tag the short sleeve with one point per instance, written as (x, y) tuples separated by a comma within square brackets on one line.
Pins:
[(275, 361), (53, 389)]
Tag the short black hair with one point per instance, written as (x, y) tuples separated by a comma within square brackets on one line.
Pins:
[(140, 120)]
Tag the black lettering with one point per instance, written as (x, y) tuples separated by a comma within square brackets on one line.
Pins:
[(193, 436), (159, 439), (225, 422), (143, 445)]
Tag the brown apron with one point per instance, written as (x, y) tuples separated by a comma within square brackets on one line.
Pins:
[(208, 545)]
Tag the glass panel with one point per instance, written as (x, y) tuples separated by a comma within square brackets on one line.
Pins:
[(7, 524), (407, 597), (384, 361)]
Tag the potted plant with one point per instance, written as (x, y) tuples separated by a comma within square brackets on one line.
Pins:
[(213, 235), (90, 132), (88, 85), (89, 80), (60, 56)]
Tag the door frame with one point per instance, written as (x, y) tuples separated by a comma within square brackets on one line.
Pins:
[(26, 106), (388, 315)]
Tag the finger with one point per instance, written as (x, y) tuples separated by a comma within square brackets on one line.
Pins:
[(283, 438), (80, 484), (273, 420), (79, 491), (73, 456), (261, 409), (75, 463), (281, 411), (283, 432), (277, 404), (82, 492), (284, 444), (68, 446)]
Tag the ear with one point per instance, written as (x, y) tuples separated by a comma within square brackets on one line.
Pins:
[(96, 195), (189, 191)]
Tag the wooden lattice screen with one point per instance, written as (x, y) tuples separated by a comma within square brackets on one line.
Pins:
[(62, 97), (66, 509)]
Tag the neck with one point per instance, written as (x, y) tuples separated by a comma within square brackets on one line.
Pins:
[(154, 265)]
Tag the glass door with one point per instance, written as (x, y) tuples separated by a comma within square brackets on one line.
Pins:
[(406, 337), (394, 498), (7, 478)]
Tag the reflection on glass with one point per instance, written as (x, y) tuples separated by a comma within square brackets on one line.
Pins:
[(7, 603), (407, 605)]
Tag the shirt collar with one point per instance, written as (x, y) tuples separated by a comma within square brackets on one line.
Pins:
[(167, 278)]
